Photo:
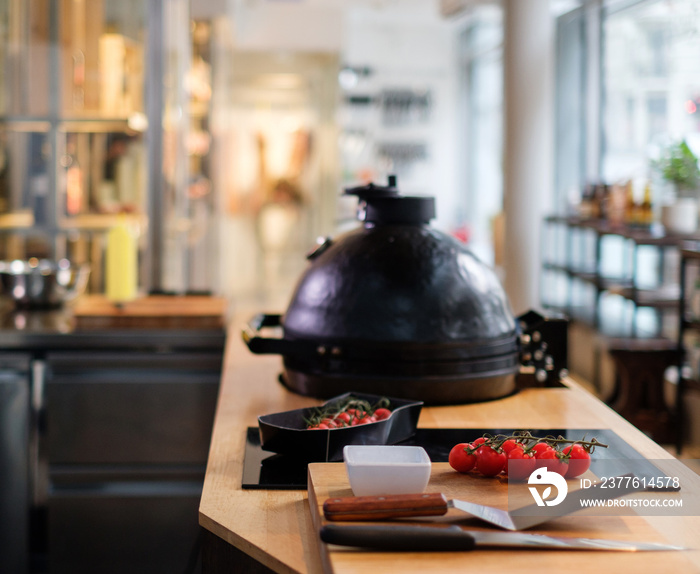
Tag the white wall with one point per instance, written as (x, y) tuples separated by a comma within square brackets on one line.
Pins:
[(412, 49)]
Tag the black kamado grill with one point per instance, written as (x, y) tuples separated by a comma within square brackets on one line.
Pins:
[(398, 308)]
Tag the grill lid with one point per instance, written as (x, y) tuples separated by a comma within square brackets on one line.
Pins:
[(397, 280), (395, 305)]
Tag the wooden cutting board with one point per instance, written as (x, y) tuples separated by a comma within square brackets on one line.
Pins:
[(326, 480), (154, 312)]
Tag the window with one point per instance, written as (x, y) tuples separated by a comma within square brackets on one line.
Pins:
[(651, 82), (570, 111), (482, 67)]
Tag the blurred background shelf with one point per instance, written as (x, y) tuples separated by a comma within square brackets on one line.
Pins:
[(81, 141)]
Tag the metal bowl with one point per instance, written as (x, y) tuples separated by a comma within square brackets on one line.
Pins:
[(42, 282)]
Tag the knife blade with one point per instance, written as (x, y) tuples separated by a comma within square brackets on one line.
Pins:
[(414, 538), (353, 508)]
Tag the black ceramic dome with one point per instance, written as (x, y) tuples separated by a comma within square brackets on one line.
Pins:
[(397, 280), (399, 283)]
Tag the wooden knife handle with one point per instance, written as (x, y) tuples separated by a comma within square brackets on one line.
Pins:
[(387, 506)]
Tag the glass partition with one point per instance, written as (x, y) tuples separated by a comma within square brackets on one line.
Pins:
[(94, 124)]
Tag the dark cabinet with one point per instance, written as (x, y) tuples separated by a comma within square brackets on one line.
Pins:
[(14, 461), (98, 530), (131, 408), (127, 435), (111, 450)]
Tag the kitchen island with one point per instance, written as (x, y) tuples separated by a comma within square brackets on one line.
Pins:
[(272, 530)]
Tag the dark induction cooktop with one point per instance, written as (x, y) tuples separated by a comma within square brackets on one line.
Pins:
[(266, 470)]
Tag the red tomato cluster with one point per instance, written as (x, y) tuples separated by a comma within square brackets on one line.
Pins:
[(350, 417), (519, 456)]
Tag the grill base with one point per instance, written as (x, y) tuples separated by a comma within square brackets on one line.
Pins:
[(430, 390)]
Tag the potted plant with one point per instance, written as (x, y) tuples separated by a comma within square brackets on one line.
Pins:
[(678, 165)]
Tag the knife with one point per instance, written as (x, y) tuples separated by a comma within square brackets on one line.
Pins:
[(401, 538), (435, 504)]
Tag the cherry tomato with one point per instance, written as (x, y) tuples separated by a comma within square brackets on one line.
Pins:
[(382, 414), (509, 445), (579, 460), (364, 420), (520, 464), (330, 423), (553, 461), (477, 442), (344, 417), (460, 460), (539, 448), (489, 461)]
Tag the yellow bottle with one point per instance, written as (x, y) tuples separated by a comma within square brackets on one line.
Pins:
[(121, 267), (646, 210)]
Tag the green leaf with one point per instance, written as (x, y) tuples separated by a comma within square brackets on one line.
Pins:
[(679, 165)]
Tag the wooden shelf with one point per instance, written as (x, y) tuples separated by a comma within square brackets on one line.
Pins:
[(663, 298), (89, 123), (654, 235), (640, 344), (581, 314), (16, 220), (689, 252), (691, 384), (28, 125), (98, 221)]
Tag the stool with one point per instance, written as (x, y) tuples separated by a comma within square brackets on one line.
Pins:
[(639, 394)]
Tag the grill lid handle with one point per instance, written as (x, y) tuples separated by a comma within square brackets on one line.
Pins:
[(382, 204)]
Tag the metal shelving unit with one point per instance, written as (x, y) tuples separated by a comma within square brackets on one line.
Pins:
[(663, 298), (583, 290), (89, 128)]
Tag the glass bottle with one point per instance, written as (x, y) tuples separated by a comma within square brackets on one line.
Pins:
[(646, 213)]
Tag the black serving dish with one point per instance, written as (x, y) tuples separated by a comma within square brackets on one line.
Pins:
[(286, 433)]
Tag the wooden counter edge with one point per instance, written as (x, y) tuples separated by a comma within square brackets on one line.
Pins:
[(325, 562), (232, 553)]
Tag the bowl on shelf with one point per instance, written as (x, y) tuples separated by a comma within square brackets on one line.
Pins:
[(385, 469), (286, 433), (42, 283)]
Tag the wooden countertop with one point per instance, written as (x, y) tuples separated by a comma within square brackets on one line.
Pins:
[(275, 528), (152, 311)]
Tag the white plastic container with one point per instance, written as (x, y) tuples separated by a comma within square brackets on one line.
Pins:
[(381, 469)]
